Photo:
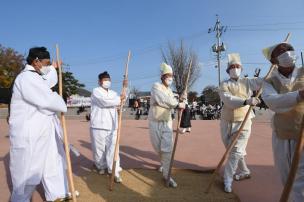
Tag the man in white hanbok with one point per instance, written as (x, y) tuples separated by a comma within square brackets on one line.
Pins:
[(160, 120), (235, 94), (284, 95), (104, 123), (36, 151)]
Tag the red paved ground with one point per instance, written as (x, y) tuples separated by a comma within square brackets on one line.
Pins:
[(200, 150)]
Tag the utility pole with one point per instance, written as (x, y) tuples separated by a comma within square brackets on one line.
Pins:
[(219, 46)]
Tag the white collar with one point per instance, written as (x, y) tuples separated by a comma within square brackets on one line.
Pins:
[(163, 85), (233, 80), (29, 67), (104, 90), (286, 81)]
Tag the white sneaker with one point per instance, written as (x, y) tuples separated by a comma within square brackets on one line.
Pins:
[(101, 171), (98, 170), (69, 195), (172, 183), (160, 169), (228, 189), (182, 130), (239, 177), (117, 179)]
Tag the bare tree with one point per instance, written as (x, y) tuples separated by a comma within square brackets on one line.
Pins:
[(179, 59), (135, 92)]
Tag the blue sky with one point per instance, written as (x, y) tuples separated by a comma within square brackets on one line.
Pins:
[(96, 35)]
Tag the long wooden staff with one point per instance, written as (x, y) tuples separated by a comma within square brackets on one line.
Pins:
[(295, 161), (238, 133), (177, 128), (116, 152), (65, 136)]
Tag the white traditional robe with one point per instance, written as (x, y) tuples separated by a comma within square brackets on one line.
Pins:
[(283, 149), (36, 154), (236, 159), (160, 123), (104, 123)]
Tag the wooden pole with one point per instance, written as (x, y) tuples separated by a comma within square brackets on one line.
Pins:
[(116, 152), (177, 128), (65, 136), (238, 133)]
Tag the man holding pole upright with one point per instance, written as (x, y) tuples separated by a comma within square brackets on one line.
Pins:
[(36, 152), (160, 121), (284, 94), (104, 125), (236, 95)]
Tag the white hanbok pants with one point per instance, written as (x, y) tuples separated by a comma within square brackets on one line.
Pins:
[(54, 188), (283, 151), (103, 147), (236, 159), (46, 165), (161, 136)]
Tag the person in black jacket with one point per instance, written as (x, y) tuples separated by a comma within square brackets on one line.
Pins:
[(185, 125)]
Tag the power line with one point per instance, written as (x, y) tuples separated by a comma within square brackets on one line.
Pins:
[(256, 63), (269, 29), (268, 24), (158, 46), (139, 51)]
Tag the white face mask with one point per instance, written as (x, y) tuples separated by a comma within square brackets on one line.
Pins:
[(106, 84), (287, 59), (169, 81), (235, 73), (45, 70)]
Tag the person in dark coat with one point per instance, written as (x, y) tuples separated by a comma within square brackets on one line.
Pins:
[(185, 125)]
